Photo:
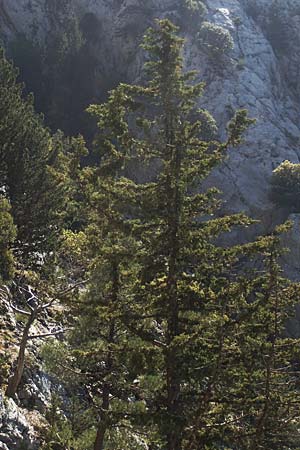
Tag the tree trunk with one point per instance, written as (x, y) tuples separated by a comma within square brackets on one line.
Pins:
[(99, 442), (173, 391), (174, 441), (103, 425), (14, 380), (174, 435)]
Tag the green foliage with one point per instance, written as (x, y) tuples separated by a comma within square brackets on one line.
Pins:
[(67, 429), (285, 184), (214, 39), (241, 64), (7, 237), (33, 168), (192, 12), (208, 127), (185, 326), (23, 446), (195, 6), (126, 439), (237, 126), (56, 357)]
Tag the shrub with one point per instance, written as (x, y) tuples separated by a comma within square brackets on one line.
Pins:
[(240, 65), (7, 236), (214, 39), (192, 12), (195, 7), (285, 186)]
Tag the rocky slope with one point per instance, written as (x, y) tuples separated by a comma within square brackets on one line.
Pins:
[(22, 419)]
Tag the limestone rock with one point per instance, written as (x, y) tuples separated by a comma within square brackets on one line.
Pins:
[(14, 427), (260, 74)]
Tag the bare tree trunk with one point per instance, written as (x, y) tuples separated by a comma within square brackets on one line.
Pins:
[(103, 423), (102, 427), (173, 382), (173, 391), (99, 442), (31, 313), (14, 380)]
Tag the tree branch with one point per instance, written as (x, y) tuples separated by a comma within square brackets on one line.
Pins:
[(43, 335), (20, 311)]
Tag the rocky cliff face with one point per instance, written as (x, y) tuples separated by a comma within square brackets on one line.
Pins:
[(260, 73)]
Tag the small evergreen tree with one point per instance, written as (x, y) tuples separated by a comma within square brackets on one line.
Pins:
[(214, 39), (34, 168), (251, 402), (192, 11), (182, 268), (36, 179), (285, 186), (104, 248)]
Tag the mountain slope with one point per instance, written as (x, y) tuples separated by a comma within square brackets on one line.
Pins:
[(260, 73)]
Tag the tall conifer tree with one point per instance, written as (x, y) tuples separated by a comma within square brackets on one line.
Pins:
[(183, 271), (190, 295), (101, 343)]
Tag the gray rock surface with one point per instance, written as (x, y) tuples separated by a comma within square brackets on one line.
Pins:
[(261, 74), (257, 75), (14, 427), (22, 421)]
